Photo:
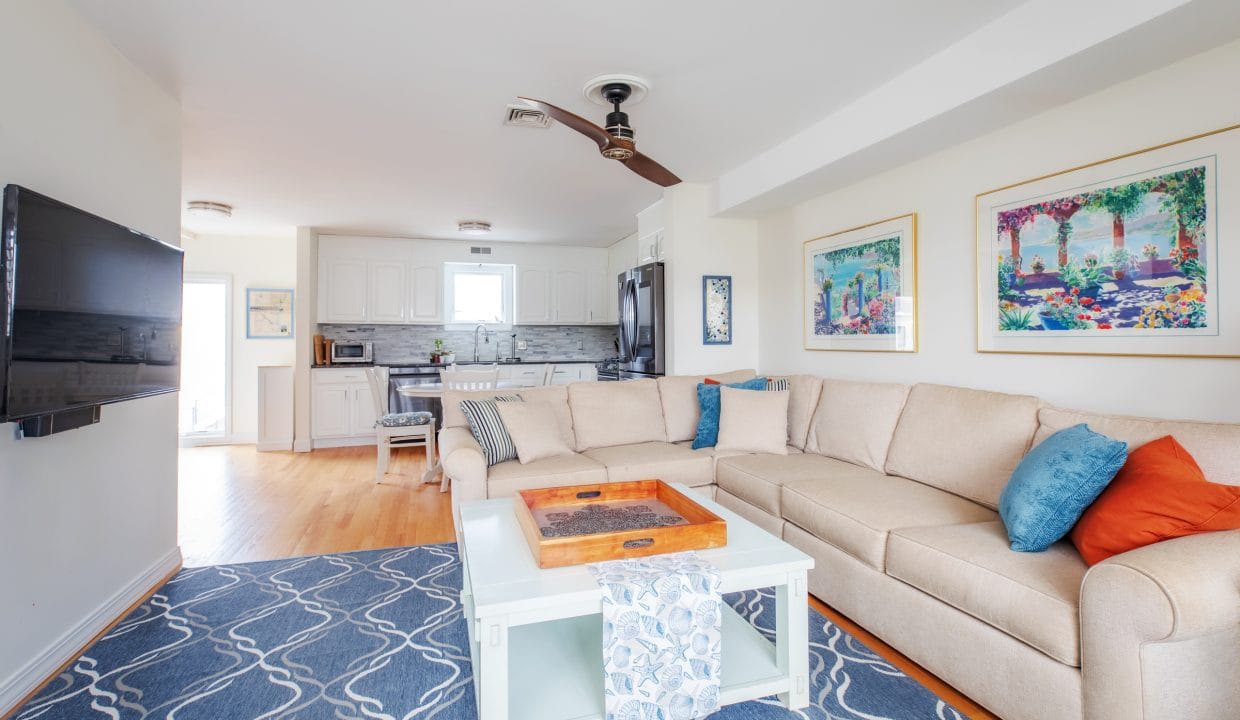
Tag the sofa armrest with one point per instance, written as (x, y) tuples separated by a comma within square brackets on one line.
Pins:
[(1160, 630), (464, 464)]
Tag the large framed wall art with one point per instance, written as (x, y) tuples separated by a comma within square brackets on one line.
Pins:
[(1136, 255), (861, 288)]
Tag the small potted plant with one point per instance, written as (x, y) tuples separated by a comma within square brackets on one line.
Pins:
[(1037, 264), (1123, 264), (440, 354)]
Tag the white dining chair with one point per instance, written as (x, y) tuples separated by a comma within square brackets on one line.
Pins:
[(410, 429), (548, 374), (469, 379)]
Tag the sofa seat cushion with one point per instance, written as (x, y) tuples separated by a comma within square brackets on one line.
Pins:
[(655, 461), (855, 510), (506, 478), (1034, 597), (757, 479)]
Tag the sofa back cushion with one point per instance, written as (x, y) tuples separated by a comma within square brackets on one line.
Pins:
[(961, 440), (557, 395), (678, 394), (1212, 445), (854, 421), (616, 413), (803, 394)]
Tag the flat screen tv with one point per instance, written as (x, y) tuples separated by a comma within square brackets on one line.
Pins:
[(90, 314)]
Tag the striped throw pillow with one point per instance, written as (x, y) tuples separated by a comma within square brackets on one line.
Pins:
[(777, 384), (488, 428)]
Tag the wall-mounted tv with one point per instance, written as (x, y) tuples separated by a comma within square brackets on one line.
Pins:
[(90, 314)]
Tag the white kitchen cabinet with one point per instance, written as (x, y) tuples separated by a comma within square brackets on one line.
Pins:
[(522, 375), (650, 248), (573, 372), (343, 290), (569, 296), (426, 294), (342, 411), (388, 291), (599, 311), (533, 293)]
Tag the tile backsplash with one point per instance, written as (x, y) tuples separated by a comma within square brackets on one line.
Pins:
[(406, 343)]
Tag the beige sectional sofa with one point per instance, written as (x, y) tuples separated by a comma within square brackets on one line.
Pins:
[(893, 490)]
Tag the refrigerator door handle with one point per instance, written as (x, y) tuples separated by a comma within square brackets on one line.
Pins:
[(631, 296)]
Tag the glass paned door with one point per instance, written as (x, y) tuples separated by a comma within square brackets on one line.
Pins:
[(204, 358)]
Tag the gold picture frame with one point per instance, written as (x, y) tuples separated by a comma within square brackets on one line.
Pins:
[(1137, 235), (859, 290)]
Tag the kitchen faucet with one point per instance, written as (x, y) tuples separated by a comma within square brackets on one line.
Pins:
[(486, 334)]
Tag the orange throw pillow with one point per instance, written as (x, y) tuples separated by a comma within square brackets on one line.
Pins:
[(1160, 493)]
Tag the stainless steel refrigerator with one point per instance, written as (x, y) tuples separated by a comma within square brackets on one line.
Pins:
[(642, 348)]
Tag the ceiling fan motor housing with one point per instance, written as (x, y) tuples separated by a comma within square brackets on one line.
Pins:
[(618, 121)]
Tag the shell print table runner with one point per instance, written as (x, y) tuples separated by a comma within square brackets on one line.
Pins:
[(661, 637)]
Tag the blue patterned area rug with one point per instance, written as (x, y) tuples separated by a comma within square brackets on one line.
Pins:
[(375, 634)]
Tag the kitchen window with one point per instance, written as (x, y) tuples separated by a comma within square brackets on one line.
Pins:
[(477, 293)]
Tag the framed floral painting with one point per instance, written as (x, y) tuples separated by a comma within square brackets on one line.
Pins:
[(1119, 257), (861, 288), (716, 309)]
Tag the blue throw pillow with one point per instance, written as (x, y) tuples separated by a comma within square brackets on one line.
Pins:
[(1054, 484), (708, 407)]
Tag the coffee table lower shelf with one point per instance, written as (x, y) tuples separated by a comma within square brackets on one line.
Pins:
[(556, 667)]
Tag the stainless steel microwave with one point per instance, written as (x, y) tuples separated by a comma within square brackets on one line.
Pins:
[(353, 352)]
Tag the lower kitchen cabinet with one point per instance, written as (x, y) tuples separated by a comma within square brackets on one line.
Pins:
[(342, 411)]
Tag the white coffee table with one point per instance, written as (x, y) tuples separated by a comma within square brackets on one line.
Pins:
[(536, 635)]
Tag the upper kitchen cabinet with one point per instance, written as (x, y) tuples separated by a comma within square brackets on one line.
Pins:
[(533, 290), (377, 280), (389, 301), (650, 234), (569, 291), (426, 294), (600, 301), (401, 281), (343, 290)]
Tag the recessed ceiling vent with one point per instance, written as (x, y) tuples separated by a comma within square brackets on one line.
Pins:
[(526, 116), (476, 250)]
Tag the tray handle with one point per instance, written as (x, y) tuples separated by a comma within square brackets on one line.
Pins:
[(638, 543), (587, 494)]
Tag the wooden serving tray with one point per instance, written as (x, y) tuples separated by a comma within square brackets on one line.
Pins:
[(572, 511)]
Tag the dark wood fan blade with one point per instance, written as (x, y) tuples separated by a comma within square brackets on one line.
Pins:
[(576, 122), (651, 170)]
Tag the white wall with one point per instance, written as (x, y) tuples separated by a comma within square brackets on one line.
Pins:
[(1177, 101), (88, 517), (697, 245), (259, 262)]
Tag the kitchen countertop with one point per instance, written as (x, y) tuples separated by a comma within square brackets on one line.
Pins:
[(423, 364), (552, 361)]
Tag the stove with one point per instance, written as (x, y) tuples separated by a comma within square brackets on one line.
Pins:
[(608, 369)]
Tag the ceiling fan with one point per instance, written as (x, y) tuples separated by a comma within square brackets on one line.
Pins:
[(616, 141)]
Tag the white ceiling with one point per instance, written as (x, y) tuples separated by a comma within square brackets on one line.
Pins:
[(384, 117)]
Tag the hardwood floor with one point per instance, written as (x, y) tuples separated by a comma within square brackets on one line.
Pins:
[(240, 505)]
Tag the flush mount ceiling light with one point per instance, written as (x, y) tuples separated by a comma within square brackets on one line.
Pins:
[(474, 227), (206, 208)]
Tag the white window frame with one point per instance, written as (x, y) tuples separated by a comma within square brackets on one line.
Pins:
[(451, 270)]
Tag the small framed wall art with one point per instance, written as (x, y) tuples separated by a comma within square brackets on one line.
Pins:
[(716, 309), (1118, 257), (268, 313), (861, 288)]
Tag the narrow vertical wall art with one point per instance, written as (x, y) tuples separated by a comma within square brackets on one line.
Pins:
[(716, 309)]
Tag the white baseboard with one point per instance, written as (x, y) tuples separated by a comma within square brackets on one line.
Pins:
[(274, 445), (29, 677)]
